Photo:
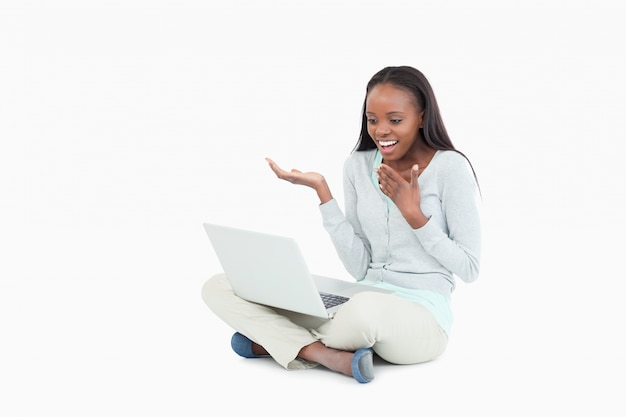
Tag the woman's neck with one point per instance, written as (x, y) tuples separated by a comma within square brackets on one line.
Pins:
[(420, 154)]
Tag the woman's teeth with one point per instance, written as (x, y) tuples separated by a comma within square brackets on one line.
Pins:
[(387, 142)]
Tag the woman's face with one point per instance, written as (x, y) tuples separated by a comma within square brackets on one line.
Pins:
[(393, 120)]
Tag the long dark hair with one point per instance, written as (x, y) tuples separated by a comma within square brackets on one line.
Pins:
[(415, 83)]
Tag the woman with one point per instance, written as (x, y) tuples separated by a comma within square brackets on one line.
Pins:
[(411, 224)]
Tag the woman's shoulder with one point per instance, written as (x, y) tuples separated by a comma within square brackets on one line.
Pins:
[(452, 168), (447, 160), (451, 157)]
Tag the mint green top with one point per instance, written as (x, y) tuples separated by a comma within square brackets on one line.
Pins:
[(378, 247)]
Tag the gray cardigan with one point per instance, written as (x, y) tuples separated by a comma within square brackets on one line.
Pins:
[(375, 242)]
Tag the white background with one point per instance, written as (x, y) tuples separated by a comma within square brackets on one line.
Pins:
[(126, 124)]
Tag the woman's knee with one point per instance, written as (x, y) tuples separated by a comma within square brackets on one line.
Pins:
[(214, 289), (426, 349)]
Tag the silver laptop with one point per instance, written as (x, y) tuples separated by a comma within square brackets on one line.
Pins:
[(270, 270)]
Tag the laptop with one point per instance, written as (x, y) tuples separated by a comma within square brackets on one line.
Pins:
[(270, 270)]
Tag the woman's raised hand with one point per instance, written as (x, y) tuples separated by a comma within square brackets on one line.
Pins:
[(310, 179), (405, 195)]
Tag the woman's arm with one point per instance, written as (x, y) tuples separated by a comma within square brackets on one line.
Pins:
[(351, 249), (457, 248)]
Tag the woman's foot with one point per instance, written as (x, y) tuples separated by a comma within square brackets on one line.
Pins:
[(363, 365), (358, 365), (245, 347), (259, 350)]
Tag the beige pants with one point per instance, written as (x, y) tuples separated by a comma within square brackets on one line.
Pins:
[(399, 331)]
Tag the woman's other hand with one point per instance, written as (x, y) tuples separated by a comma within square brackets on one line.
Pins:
[(310, 179), (405, 195)]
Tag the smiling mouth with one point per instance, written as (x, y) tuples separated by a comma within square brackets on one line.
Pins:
[(387, 143)]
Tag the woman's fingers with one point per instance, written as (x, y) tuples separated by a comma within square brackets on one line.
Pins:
[(388, 179), (280, 173)]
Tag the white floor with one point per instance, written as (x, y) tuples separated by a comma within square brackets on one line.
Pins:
[(124, 127), (99, 334)]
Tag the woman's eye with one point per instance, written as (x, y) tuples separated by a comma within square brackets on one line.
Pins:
[(371, 121), (395, 121)]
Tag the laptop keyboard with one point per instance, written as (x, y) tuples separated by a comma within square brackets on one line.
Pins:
[(332, 300)]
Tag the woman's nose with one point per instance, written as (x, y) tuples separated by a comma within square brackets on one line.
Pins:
[(382, 130)]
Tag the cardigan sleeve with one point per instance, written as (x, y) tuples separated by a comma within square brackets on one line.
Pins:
[(351, 245), (458, 248)]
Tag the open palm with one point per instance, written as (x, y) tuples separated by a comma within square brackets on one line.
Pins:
[(310, 179)]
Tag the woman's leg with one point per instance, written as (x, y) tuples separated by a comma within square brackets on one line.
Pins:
[(280, 333), (398, 330), (284, 335)]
